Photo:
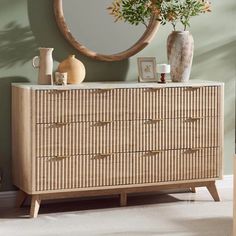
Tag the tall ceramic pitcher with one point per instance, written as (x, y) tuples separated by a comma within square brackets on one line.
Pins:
[(44, 63)]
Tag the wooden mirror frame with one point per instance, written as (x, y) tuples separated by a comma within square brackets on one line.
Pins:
[(142, 42)]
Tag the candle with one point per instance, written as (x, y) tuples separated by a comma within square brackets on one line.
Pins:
[(163, 68)]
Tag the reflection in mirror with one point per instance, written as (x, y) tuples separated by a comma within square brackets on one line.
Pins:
[(90, 24)]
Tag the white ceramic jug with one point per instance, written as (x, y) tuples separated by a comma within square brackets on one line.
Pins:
[(45, 64)]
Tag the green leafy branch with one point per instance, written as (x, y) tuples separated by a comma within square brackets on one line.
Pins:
[(166, 11)]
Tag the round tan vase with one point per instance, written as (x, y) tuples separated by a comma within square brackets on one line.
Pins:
[(75, 70), (180, 46)]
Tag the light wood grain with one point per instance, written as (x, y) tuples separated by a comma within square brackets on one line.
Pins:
[(21, 139), (79, 142), (138, 46), (213, 191), (123, 199), (126, 168), (114, 137), (35, 205), (118, 104)]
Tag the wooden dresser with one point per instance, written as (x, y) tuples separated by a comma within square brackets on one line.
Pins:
[(115, 138)]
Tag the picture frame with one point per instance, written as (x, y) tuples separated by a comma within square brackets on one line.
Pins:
[(147, 69)]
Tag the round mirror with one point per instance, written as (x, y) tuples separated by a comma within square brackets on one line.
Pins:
[(87, 25)]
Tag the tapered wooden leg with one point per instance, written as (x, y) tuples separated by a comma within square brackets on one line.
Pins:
[(20, 198), (213, 191), (123, 199), (35, 205), (193, 189)]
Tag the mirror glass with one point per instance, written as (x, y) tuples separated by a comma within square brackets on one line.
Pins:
[(90, 24)]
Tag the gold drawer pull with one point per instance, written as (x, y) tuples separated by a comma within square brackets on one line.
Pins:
[(153, 152), (57, 91), (192, 150), (61, 157), (153, 89), (193, 119), (102, 123), (102, 90), (193, 88), (195, 149), (60, 123), (102, 155), (153, 121)]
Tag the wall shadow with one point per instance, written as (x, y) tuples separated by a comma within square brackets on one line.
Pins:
[(17, 45), (5, 127), (47, 34)]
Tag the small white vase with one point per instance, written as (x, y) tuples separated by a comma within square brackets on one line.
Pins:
[(180, 46), (45, 65)]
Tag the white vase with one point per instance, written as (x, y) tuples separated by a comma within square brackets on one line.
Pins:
[(44, 63), (180, 46)]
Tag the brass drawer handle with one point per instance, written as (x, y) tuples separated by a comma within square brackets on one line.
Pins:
[(61, 157), (153, 121), (102, 90), (57, 124), (102, 123), (153, 89), (60, 123), (193, 119), (153, 152), (193, 88), (192, 150), (102, 155), (195, 149), (57, 91)]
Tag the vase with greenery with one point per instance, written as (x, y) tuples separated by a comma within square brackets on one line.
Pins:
[(176, 12)]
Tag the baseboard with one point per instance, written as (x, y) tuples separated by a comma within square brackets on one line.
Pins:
[(8, 199)]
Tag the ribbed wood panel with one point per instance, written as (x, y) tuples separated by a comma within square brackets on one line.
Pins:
[(125, 104), (125, 136), (84, 171), (93, 138)]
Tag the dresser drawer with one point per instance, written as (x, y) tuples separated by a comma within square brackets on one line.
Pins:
[(125, 104), (126, 136), (84, 171)]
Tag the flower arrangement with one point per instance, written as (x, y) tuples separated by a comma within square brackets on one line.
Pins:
[(165, 11)]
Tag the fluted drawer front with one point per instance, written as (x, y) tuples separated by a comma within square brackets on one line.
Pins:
[(84, 171), (125, 104), (126, 136)]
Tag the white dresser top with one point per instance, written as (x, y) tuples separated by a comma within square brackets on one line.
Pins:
[(118, 84)]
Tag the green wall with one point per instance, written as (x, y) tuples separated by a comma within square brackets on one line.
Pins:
[(26, 25)]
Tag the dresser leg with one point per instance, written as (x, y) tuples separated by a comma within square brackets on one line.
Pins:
[(123, 199), (20, 198), (35, 205), (213, 191), (193, 189)]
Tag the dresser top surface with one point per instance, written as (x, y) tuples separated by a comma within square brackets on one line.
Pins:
[(122, 84)]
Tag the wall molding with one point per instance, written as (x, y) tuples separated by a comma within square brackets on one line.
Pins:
[(8, 198)]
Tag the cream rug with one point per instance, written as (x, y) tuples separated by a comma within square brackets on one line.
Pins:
[(180, 214)]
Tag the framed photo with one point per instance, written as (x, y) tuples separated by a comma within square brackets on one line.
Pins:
[(147, 69)]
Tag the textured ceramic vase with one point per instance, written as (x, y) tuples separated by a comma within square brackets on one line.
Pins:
[(75, 70), (44, 62), (180, 46)]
